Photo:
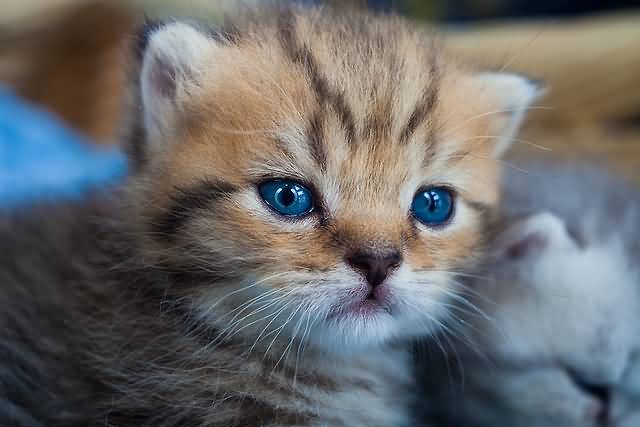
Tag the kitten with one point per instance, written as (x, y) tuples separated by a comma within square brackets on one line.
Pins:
[(306, 183), (561, 295)]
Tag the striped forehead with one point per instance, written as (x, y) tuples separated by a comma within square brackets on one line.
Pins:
[(323, 110), (370, 95), (365, 119)]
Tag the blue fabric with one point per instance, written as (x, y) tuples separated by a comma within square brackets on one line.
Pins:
[(40, 159)]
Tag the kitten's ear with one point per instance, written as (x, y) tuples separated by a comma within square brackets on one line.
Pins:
[(531, 236), (511, 96), (172, 67)]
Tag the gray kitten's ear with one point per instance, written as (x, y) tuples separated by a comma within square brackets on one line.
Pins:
[(172, 65), (511, 95), (531, 236)]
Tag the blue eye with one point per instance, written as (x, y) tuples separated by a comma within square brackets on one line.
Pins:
[(287, 197), (432, 206)]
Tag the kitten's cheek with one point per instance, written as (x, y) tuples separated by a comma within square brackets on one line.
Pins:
[(446, 247)]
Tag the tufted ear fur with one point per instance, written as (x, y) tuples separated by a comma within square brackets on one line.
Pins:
[(531, 236), (512, 95), (172, 65)]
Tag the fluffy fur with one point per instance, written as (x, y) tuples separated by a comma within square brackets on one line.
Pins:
[(555, 338), (191, 303)]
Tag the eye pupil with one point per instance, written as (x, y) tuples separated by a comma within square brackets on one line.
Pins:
[(433, 206), (287, 196)]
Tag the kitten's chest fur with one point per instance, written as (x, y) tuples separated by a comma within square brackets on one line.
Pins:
[(227, 387), (371, 389)]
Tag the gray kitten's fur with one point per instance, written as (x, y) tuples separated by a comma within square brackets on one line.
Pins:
[(594, 204), (561, 292)]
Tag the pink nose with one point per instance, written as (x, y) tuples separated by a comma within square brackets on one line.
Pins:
[(373, 266)]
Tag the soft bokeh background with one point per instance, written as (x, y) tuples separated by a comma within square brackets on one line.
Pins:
[(70, 56)]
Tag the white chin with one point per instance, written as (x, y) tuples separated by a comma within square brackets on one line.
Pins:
[(367, 326), (352, 332)]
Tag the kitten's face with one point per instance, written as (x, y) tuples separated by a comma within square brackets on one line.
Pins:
[(564, 339), (359, 128)]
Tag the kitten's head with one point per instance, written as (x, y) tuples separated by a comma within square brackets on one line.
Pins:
[(320, 174), (562, 332)]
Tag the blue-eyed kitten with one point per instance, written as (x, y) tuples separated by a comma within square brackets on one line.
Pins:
[(307, 182)]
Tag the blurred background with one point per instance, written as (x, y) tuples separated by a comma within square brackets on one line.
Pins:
[(70, 57)]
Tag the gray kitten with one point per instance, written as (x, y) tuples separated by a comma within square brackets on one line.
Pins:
[(555, 338)]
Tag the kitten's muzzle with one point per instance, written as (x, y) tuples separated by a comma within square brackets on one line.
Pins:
[(375, 267)]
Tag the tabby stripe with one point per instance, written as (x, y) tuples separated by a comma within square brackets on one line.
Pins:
[(377, 125), (479, 206), (424, 106), (186, 203), (302, 56), (420, 112), (315, 136)]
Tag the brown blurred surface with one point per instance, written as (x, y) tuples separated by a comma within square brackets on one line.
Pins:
[(592, 68), (68, 56), (591, 65), (615, 147)]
